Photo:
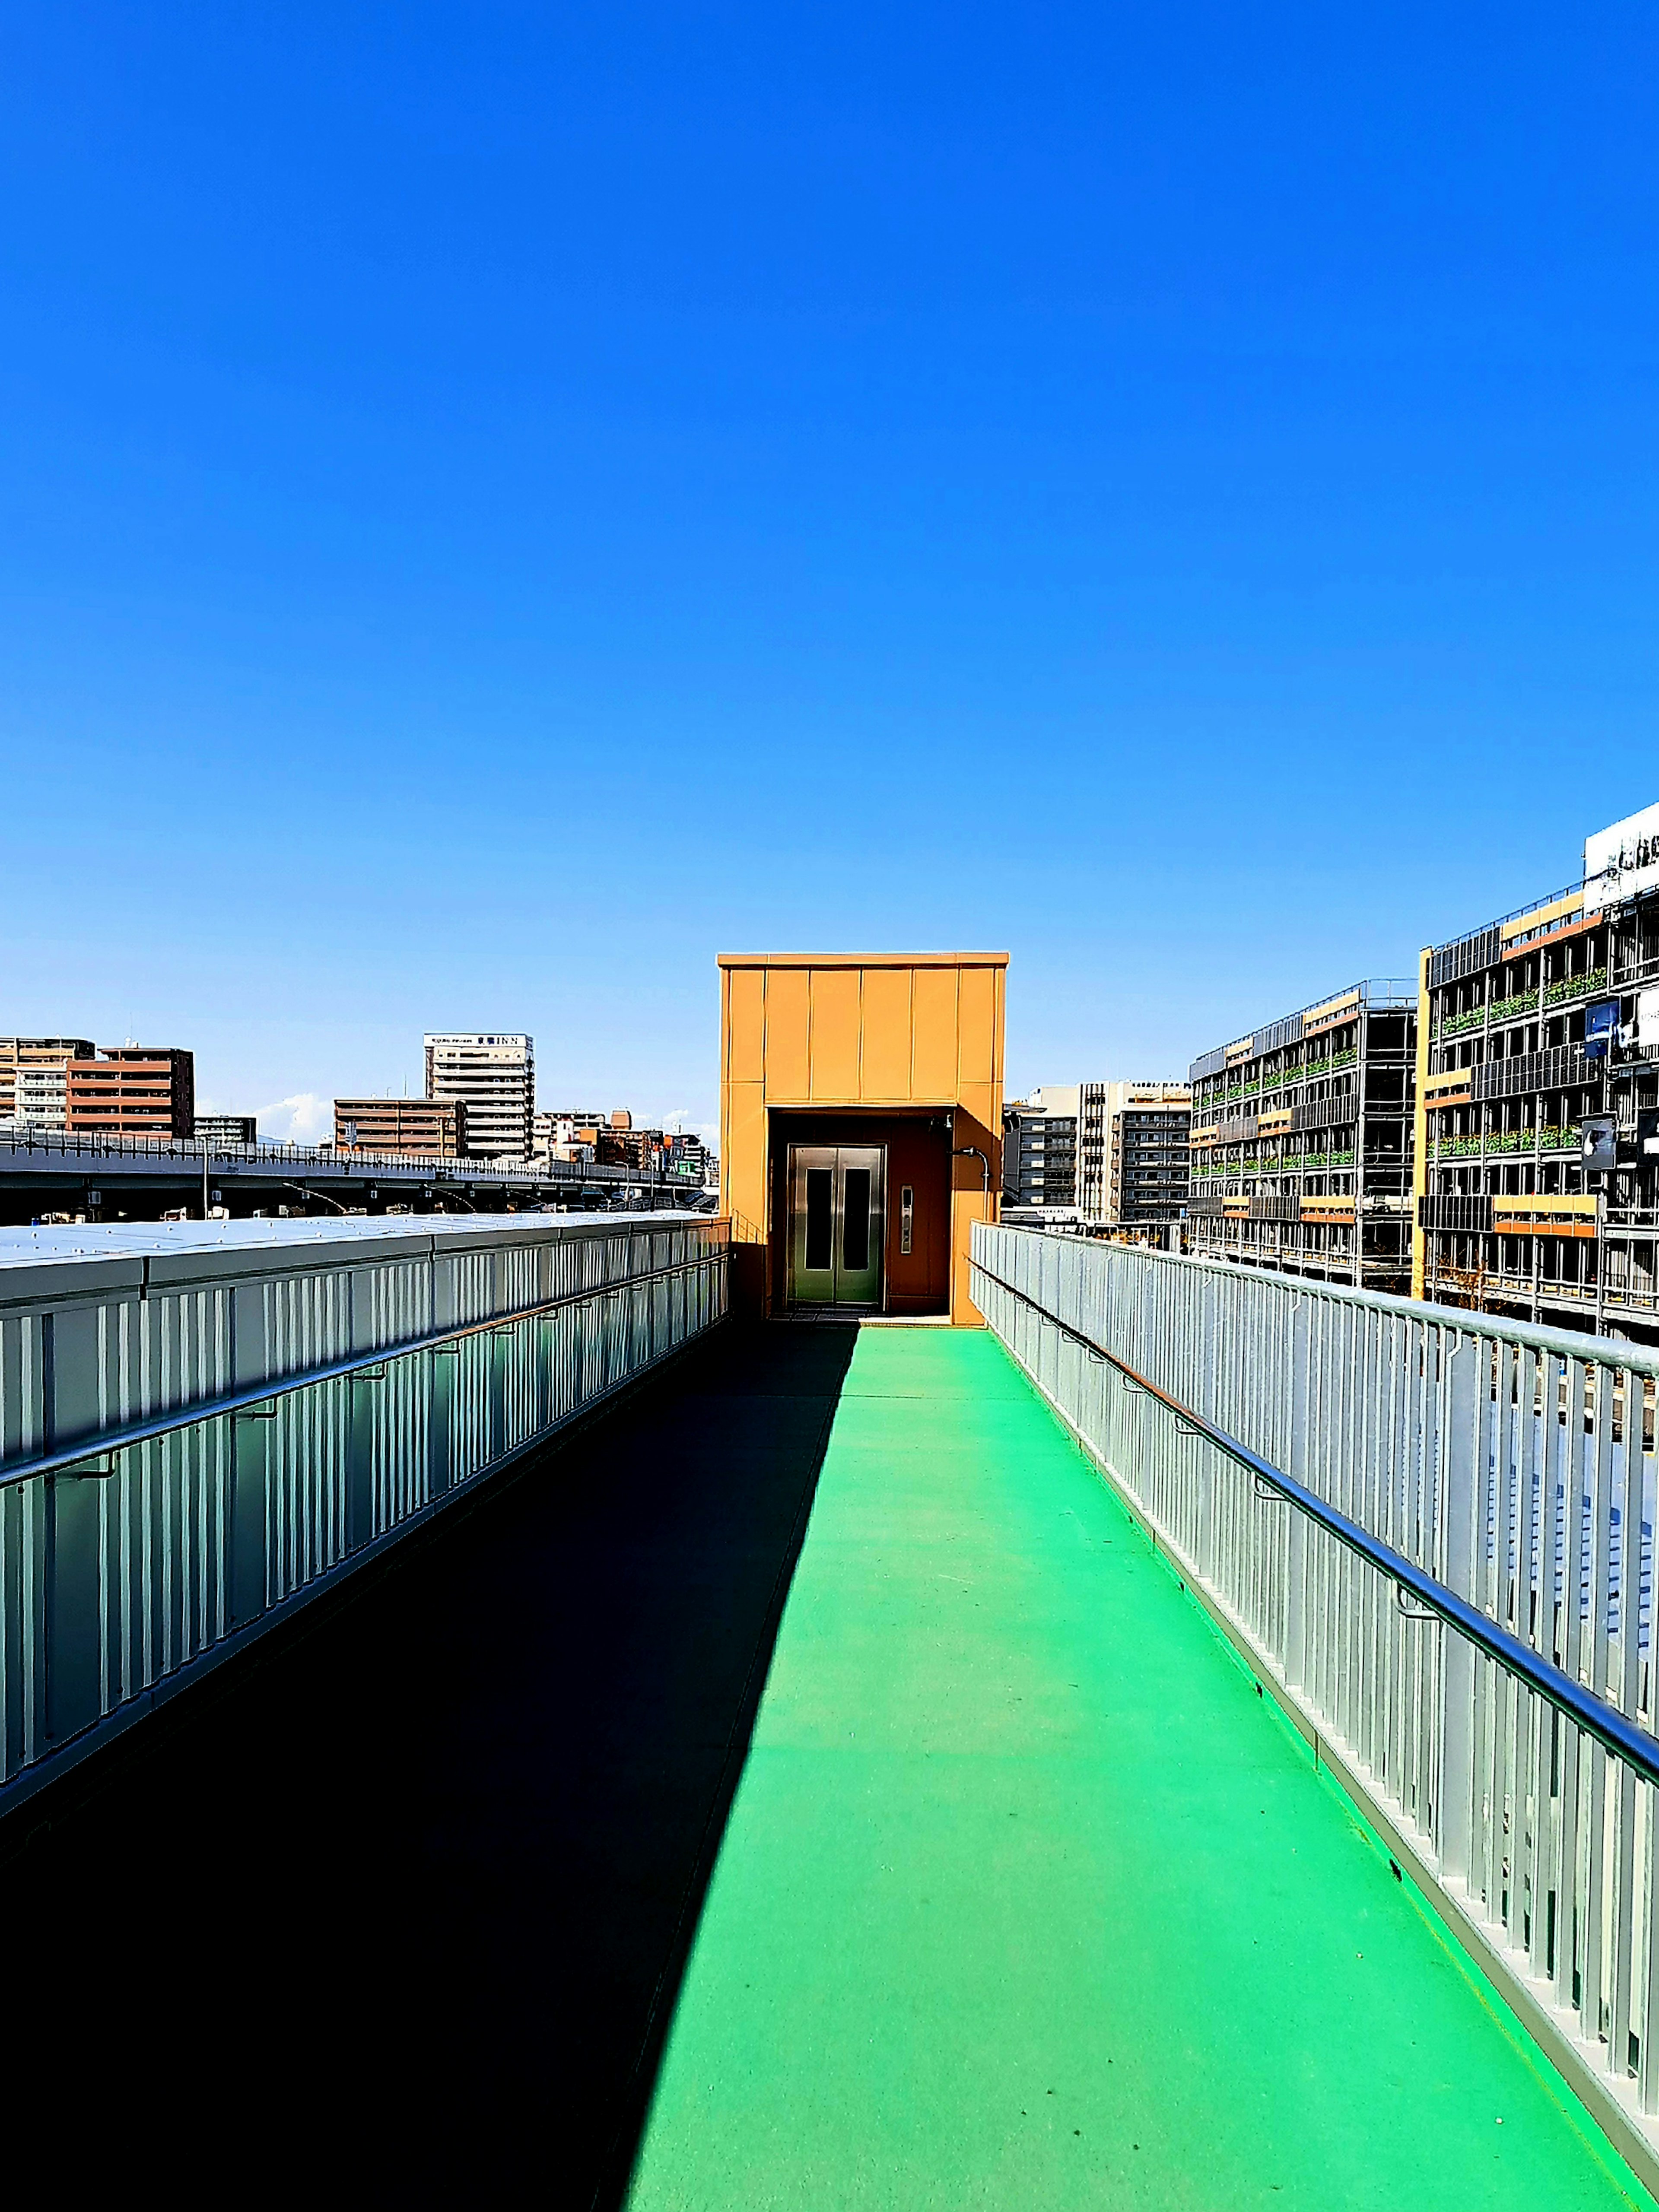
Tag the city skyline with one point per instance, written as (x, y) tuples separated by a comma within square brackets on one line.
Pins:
[(307, 1117)]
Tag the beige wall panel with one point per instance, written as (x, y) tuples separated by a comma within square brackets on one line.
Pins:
[(980, 1100), (835, 1036), (789, 1025), (933, 1069), (746, 1026), (976, 1024), (743, 1163), (887, 1049)]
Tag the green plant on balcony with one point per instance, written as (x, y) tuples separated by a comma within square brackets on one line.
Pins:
[(1345, 1059), (1500, 1010), (1576, 986), (1558, 1140)]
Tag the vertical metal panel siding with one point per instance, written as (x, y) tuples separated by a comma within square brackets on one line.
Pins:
[(1522, 1478), (111, 1584)]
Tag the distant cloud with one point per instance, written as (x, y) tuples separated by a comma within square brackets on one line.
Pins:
[(305, 1119)]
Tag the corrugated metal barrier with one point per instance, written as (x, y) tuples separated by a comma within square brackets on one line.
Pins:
[(194, 1431), (1450, 1590)]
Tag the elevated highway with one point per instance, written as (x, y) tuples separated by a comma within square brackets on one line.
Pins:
[(137, 1178)]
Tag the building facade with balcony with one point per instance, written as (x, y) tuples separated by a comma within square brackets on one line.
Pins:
[(32, 1082), (1147, 1127), (132, 1090), (1537, 1184), (228, 1128), (425, 1128), (1301, 1139), (1039, 1149)]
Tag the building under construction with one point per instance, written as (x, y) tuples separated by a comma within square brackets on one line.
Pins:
[(1538, 1117), (1301, 1142)]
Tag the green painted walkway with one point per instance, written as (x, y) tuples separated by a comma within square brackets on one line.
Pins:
[(1027, 1899)]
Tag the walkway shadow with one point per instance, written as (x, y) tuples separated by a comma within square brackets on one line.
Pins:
[(407, 1905)]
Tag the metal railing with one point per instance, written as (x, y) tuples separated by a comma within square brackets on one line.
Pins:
[(190, 1444), (20, 1139), (1432, 1534)]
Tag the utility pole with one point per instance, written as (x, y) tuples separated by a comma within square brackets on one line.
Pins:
[(205, 1178)]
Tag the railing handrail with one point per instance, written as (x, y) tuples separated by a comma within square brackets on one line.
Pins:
[(1565, 1343), (97, 1143), (1612, 1728), (76, 1456)]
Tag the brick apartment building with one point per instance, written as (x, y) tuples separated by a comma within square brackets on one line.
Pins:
[(132, 1091), (427, 1128)]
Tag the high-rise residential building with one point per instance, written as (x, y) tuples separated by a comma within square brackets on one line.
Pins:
[(1092, 1151), (427, 1128), (1147, 1155), (44, 1058), (493, 1077), (1039, 1149), (1131, 1156), (1537, 1181), (227, 1128), (1302, 1141), (132, 1090)]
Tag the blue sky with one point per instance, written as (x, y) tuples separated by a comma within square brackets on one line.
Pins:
[(498, 504)]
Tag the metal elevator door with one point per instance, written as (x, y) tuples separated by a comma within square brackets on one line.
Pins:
[(837, 1213)]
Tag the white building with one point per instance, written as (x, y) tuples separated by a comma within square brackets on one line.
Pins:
[(42, 1094), (494, 1075)]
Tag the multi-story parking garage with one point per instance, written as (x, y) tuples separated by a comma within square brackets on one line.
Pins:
[(1538, 1138), (1301, 1141)]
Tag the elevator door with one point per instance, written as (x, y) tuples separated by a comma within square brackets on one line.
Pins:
[(837, 1211)]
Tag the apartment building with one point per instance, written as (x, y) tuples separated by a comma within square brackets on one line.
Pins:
[(41, 1094), (1039, 1149), (37, 1063), (1537, 1185), (132, 1091), (1146, 1128), (568, 1133), (493, 1077), (427, 1128), (226, 1129), (1301, 1137)]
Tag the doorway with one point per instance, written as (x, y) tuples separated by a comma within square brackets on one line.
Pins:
[(837, 1218)]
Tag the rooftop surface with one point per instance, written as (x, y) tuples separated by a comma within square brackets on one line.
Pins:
[(1028, 1899), (861, 959)]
